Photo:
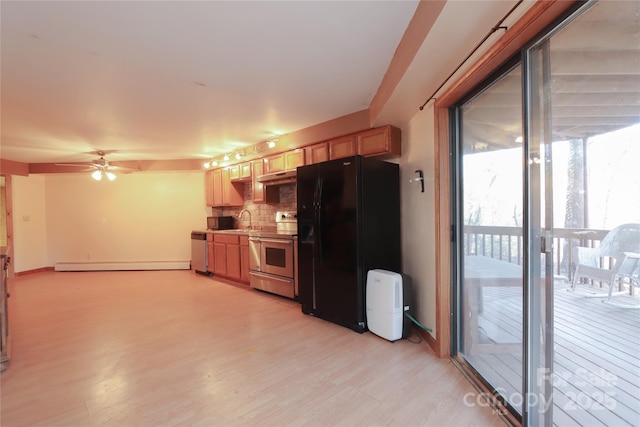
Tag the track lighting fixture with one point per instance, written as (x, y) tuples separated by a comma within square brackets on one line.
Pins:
[(239, 154)]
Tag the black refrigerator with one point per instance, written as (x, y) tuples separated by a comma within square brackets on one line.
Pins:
[(348, 224)]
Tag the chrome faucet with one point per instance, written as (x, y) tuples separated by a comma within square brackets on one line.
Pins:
[(247, 211)]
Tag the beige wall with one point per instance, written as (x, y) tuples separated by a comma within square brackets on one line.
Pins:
[(29, 223), (138, 217), (418, 214)]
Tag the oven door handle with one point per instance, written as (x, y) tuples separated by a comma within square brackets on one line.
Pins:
[(277, 241)]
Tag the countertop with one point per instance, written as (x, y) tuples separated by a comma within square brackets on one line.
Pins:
[(264, 232)]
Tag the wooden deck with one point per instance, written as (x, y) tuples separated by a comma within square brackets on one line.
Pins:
[(596, 362)]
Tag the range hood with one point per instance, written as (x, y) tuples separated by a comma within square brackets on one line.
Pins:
[(278, 178)]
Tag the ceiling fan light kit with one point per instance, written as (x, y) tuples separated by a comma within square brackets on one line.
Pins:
[(97, 175), (100, 167)]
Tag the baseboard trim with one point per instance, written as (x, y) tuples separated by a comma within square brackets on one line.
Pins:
[(35, 270), (431, 342), (123, 266)]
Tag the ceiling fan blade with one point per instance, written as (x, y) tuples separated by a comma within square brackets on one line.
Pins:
[(121, 169), (81, 165)]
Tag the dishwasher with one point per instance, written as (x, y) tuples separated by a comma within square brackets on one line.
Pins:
[(199, 252)]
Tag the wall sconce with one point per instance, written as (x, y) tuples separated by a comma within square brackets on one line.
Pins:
[(419, 179), (272, 143)]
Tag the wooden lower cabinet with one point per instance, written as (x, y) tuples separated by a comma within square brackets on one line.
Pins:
[(244, 259), (227, 254), (220, 254), (233, 261), (211, 258)]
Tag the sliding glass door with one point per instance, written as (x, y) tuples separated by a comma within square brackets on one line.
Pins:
[(491, 238), (548, 225)]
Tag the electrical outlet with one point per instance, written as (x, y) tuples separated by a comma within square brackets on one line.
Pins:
[(26, 218)]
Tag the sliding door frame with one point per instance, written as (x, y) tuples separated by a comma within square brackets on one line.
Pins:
[(536, 19), (539, 18)]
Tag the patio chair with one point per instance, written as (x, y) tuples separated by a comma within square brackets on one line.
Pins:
[(622, 246)]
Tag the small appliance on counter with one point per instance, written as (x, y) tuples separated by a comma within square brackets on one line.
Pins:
[(219, 222)]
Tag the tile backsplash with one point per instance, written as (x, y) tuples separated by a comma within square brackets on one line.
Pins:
[(262, 214)]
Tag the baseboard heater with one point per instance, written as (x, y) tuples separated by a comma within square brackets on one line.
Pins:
[(123, 266)]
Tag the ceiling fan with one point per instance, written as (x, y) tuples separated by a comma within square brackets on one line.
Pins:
[(100, 167)]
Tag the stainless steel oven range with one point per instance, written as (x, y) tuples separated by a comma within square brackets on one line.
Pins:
[(273, 257)]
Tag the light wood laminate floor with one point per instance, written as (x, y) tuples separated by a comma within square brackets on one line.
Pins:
[(174, 348)]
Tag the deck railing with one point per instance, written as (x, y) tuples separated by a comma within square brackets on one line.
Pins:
[(505, 243)]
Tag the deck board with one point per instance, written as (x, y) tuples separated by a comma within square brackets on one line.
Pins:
[(596, 359)]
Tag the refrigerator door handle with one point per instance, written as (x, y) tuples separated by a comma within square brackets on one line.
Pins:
[(319, 218)]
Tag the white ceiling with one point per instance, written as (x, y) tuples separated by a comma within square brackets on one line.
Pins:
[(165, 80), (183, 80)]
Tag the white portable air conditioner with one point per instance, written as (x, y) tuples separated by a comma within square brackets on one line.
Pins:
[(387, 298)]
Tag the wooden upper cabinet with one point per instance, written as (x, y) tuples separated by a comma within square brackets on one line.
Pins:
[(262, 193), (274, 163), (383, 140), (234, 172), (208, 187), (293, 159), (342, 147), (223, 191), (232, 193), (240, 172), (284, 161), (316, 153), (245, 171), (216, 179)]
